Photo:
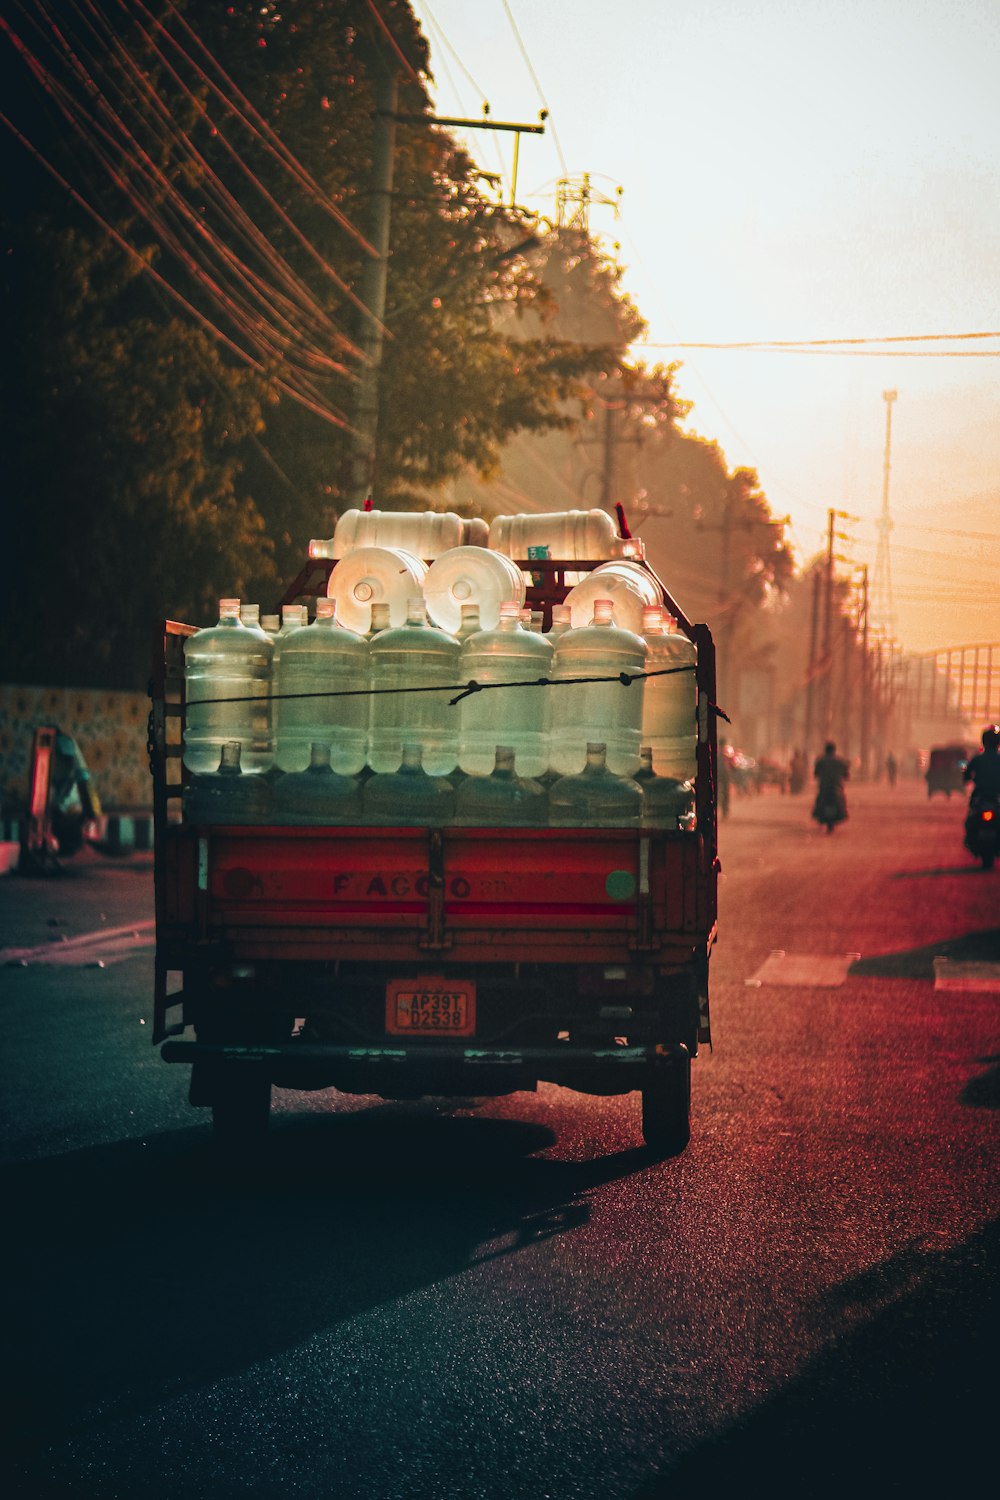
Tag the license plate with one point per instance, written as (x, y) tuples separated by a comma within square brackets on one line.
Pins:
[(430, 1007)]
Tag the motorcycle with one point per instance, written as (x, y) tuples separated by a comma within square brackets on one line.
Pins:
[(830, 808), (982, 829)]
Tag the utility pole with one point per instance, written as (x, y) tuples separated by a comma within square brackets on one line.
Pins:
[(811, 669), (885, 620), (375, 275), (866, 682), (828, 631), (608, 470), (373, 286)]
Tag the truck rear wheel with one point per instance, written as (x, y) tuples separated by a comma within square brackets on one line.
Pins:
[(666, 1107), (241, 1109)]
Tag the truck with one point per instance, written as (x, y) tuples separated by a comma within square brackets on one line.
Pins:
[(411, 962)]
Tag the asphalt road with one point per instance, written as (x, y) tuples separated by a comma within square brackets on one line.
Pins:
[(512, 1298)]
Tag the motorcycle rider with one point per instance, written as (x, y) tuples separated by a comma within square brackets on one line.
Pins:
[(830, 772), (983, 770)]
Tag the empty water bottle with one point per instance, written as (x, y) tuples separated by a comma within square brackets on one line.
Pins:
[(408, 797), (595, 797), (665, 800), (317, 795), (566, 536), (629, 587), (599, 702), (414, 673), (381, 618), (374, 575), (227, 675), (503, 799), (321, 687), (226, 795), (424, 533), (561, 622), (669, 712), (470, 623), (502, 714), (471, 575)]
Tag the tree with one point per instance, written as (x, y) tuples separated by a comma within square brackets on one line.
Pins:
[(184, 310)]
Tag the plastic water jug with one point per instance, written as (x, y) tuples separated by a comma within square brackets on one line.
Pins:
[(227, 675), (503, 799), (595, 797), (226, 795), (250, 616), (317, 795), (629, 587), (514, 716), (665, 800), (292, 617), (375, 575), (270, 623), (414, 674), (321, 687), (381, 619), (563, 536), (669, 715), (408, 797), (560, 621), (469, 624), (424, 533), (471, 575), (598, 712)]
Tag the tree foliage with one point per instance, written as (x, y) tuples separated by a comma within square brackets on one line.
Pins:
[(181, 409)]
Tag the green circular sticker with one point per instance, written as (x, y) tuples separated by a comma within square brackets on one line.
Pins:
[(620, 885)]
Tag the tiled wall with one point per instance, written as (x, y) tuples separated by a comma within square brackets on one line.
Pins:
[(110, 729)]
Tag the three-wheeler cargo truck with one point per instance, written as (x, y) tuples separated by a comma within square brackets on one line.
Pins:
[(411, 961)]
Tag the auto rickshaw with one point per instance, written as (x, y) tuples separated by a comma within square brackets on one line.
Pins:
[(944, 769)]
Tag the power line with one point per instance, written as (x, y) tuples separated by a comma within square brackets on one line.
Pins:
[(386, 32), (130, 250), (254, 121), (260, 337), (828, 344), (538, 86)]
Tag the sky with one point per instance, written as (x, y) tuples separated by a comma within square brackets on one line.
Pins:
[(793, 170)]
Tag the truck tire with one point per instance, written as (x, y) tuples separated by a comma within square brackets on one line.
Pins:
[(666, 1108), (241, 1109)]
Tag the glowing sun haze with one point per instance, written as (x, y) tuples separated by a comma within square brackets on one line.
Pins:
[(792, 170)]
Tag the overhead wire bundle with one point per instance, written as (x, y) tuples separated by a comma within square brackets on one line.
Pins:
[(168, 129)]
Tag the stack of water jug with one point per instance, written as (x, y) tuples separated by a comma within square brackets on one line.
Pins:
[(414, 696)]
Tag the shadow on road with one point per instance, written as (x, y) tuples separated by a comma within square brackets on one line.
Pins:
[(904, 1404), (136, 1271), (918, 963), (943, 870)]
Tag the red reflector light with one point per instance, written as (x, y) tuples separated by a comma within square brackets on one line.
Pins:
[(987, 816)]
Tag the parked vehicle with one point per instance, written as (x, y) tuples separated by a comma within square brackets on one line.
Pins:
[(412, 961), (944, 769)]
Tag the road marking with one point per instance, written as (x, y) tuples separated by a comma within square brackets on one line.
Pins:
[(949, 974), (108, 945), (806, 970)]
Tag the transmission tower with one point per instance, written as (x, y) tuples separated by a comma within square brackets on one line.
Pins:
[(574, 195), (883, 612)]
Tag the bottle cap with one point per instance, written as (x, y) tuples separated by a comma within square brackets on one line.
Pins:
[(326, 609), (604, 612)]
